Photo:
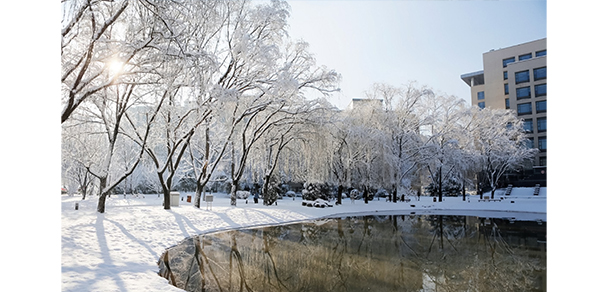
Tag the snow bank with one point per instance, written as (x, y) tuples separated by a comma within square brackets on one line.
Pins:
[(118, 250)]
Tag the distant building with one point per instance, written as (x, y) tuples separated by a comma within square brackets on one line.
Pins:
[(357, 103), (515, 78)]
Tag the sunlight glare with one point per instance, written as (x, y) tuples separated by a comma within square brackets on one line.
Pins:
[(115, 67)]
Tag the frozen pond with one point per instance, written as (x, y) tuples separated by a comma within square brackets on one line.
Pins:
[(366, 253)]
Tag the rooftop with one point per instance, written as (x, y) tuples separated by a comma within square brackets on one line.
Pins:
[(474, 78)]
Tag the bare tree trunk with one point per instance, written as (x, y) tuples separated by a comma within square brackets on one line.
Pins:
[(266, 195), (339, 194), (101, 206), (233, 180), (234, 193), (463, 189), (198, 191), (84, 184), (440, 184), (204, 177), (101, 203), (166, 190)]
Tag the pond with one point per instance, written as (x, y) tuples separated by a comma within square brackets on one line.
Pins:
[(366, 253)]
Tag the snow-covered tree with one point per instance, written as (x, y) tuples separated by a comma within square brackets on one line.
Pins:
[(172, 133), (501, 143), (343, 152), (98, 126), (293, 127), (265, 76), (222, 84), (401, 121), (76, 156), (110, 60), (86, 49), (444, 154), (104, 43), (203, 157)]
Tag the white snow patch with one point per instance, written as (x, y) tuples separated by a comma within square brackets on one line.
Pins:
[(119, 250)]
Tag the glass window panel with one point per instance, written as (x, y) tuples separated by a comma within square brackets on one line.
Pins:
[(539, 73), (541, 124), (542, 161), (522, 76), (541, 106), (542, 144), (507, 61), (540, 89), (524, 108), (523, 92), (525, 57), (481, 95), (482, 104), (541, 53)]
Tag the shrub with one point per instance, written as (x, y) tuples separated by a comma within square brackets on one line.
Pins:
[(313, 191), (451, 188), (242, 194)]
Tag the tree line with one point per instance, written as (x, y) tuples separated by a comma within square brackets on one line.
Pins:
[(176, 90)]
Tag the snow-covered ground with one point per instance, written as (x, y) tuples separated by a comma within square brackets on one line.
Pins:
[(118, 250)]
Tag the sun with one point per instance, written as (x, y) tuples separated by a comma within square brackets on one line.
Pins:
[(114, 67)]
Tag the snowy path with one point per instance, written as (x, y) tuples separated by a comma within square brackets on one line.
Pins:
[(118, 250)]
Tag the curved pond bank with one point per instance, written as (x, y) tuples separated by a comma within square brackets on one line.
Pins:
[(365, 253), (119, 250)]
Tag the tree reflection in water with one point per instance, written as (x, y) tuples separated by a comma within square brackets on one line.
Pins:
[(371, 253)]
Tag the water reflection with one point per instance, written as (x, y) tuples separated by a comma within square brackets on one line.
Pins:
[(371, 253)]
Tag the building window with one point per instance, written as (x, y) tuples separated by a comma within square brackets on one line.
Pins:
[(481, 95), (524, 109), (541, 124), (505, 88), (543, 161), (505, 75), (481, 104), (540, 73), (523, 92), (541, 53), (541, 106), (540, 90), (528, 126), (529, 143), (522, 76), (542, 144), (525, 57), (507, 103), (507, 61)]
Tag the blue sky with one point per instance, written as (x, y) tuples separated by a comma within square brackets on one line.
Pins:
[(394, 42)]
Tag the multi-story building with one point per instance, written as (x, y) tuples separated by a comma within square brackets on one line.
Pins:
[(364, 102), (515, 78)]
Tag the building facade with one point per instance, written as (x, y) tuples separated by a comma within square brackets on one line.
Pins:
[(357, 103), (515, 78)]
